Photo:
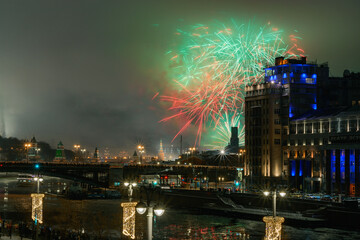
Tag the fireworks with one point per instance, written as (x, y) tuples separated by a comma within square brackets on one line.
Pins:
[(210, 69)]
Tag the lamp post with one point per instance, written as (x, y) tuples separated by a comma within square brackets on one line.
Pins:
[(141, 208), (151, 208), (83, 151), (130, 188), (274, 194), (38, 180), (76, 147), (27, 146), (273, 223)]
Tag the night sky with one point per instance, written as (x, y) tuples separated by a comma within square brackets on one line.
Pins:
[(85, 72)]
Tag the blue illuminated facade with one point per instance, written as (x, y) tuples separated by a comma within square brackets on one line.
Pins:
[(299, 80), (324, 151)]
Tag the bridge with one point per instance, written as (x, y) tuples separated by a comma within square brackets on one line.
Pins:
[(92, 174), (104, 174), (133, 171)]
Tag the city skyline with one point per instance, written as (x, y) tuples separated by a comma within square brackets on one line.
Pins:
[(86, 73)]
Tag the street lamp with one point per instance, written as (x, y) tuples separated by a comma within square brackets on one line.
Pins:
[(273, 223), (274, 194), (38, 180), (141, 208), (141, 149), (151, 208), (130, 189), (27, 146)]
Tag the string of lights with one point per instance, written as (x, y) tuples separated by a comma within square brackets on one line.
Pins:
[(129, 219), (273, 227), (37, 207)]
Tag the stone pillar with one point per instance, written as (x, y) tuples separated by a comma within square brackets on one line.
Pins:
[(357, 173), (347, 172), (297, 167), (320, 130), (321, 170), (312, 174), (337, 171), (273, 227), (328, 172)]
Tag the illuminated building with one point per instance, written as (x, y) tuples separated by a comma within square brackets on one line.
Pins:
[(33, 150), (323, 151), (60, 153), (96, 157), (135, 157), (302, 127), (161, 154), (322, 146), (107, 154), (287, 91)]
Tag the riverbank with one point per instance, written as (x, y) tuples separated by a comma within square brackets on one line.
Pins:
[(297, 212)]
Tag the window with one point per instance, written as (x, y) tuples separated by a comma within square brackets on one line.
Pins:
[(277, 131), (308, 128), (334, 126), (277, 141), (352, 125), (343, 126), (292, 128), (309, 80), (277, 111), (316, 127), (277, 121), (325, 126)]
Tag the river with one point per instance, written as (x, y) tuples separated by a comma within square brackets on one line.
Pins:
[(104, 218)]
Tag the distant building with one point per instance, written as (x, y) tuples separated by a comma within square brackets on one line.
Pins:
[(135, 157), (33, 151), (107, 153), (339, 91), (60, 153), (233, 146), (161, 154), (96, 157)]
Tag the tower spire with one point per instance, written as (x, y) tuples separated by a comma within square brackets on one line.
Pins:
[(161, 154)]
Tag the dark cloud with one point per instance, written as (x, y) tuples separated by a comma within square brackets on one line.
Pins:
[(86, 71)]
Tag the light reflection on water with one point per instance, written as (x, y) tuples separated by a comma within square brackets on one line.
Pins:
[(104, 218)]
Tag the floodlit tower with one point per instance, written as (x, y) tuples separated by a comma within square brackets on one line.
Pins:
[(161, 154), (60, 153), (33, 152), (96, 155)]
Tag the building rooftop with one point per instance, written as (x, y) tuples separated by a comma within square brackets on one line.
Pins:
[(340, 112)]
